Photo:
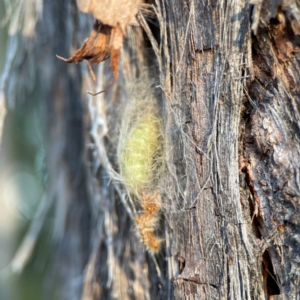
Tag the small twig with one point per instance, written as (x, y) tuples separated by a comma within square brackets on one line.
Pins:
[(98, 93), (63, 59)]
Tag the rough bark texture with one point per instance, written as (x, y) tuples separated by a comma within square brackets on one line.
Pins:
[(210, 250), (271, 149), (229, 243), (230, 102)]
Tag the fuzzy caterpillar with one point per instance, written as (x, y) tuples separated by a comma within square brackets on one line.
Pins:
[(140, 159)]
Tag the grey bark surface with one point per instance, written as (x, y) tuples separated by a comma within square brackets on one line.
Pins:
[(209, 53), (230, 103)]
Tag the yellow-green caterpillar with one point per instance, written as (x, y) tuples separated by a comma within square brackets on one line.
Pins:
[(140, 154)]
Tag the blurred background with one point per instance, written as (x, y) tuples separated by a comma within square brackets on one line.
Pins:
[(65, 229), (22, 182)]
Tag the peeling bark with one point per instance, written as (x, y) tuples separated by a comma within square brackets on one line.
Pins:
[(271, 145)]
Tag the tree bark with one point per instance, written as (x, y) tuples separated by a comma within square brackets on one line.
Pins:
[(232, 148), (209, 55), (226, 75)]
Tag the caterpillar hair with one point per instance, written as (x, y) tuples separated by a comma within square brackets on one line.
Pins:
[(140, 157)]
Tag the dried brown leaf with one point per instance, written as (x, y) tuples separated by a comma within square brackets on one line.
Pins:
[(95, 48), (104, 42)]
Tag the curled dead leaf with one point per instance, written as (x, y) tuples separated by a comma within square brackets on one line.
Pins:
[(106, 39), (95, 48), (104, 42)]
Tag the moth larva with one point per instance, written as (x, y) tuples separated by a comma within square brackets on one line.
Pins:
[(140, 153)]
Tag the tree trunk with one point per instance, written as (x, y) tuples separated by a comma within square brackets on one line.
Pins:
[(209, 54), (225, 74)]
